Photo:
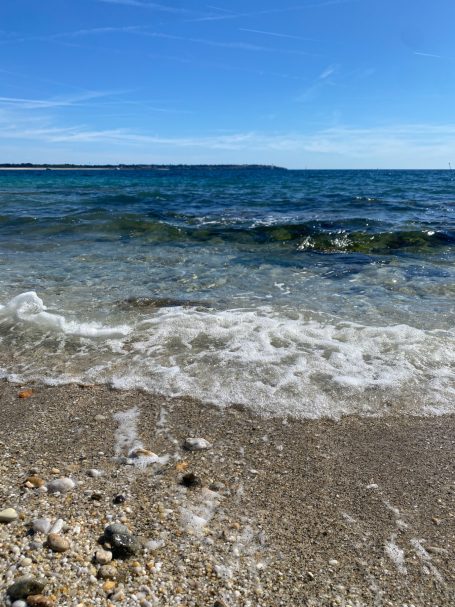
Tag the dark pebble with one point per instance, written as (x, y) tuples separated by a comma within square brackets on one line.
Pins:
[(122, 542), (24, 587), (190, 480)]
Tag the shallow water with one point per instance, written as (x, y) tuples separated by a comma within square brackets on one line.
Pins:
[(304, 292)]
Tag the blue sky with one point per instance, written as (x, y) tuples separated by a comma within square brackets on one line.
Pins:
[(297, 83)]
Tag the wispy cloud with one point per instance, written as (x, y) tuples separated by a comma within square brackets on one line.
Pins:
[(321, 81), (272, 11), (430, 55), (138, 30), (327, 72), (343, 140), (275, 34), (150, 5), (30, 104), (127, 29)]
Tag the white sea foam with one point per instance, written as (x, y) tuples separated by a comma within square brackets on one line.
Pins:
[(396, 554), (28, 308), (277, 361)]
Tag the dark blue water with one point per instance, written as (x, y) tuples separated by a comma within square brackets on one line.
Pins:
[(311, 292)]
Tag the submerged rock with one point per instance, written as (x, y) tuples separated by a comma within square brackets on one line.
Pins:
[(160, 302), (24, 587)]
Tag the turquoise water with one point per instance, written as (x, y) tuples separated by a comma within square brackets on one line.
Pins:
[(304, 292)]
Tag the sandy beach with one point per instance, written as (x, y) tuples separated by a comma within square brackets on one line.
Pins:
[(356, 512)]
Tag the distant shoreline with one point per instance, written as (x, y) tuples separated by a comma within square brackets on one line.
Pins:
[(134, 167)]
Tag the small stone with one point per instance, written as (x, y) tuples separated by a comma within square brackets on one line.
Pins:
[(25, 393), (100, 418), (119, 499), (141, 452), (190, 481), (41, 525), (96, 496), (107, 572), (111, 530), (55, 470), (24, 587), (60, 485), (436, 550), (57, 543), (436, 521), (94, 473), (108, 586), (39, 600), (217, 486), (35, 481), (122, 542), (8, 515), (181, 466), (19, 603), (333, 562), (196, 444), (103, 556), (57, 526)]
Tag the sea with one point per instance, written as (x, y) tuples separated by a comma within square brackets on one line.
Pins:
[(293, 293)]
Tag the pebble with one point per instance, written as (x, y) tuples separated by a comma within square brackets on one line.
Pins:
[(24, 587), (190, 481), (25, 393), (103, 556), (57, 526), (61, 485), (107, 572), (108, 586), (35, 481), (436, 550), (57, 543), (141, 452), (39, 600), (94, 473), (196, 444), (123, 543), (8, 515), (110, 530), (19, 603), (119, 499), (100, 418), (217, 486)]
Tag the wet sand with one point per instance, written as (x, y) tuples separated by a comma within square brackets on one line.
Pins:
[(356, 512)]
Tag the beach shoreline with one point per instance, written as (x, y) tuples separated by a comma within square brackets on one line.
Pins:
[(282, 512)]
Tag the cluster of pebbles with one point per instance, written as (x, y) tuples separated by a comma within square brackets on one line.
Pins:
[(79, 536)]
